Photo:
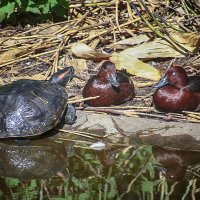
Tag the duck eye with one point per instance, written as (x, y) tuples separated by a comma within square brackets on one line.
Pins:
[(173, 73)]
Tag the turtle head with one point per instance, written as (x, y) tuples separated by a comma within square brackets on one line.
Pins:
[(63, 77)]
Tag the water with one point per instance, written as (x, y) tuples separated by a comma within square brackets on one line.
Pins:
[(55, 169)]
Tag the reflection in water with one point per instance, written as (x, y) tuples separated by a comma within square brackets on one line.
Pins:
[(107, 157), (175, 161), (35, 159), (122, 173)]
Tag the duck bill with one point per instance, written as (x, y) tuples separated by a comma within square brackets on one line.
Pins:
[(163, 81), (113, 80)]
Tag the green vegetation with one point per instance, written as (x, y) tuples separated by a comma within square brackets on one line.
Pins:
[(12, 10), (132, 175)]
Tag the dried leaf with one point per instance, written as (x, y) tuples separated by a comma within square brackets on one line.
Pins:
[(38, 77), (33, 77), (11, 54), (1, 81), (190, 41), (79, 64), (131, 41), (20, 77), (7, 42), (81, 50), (159, 48), (135, 66), (154, 49)]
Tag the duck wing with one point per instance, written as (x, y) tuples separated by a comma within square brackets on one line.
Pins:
[(122, 77), (194, 84)]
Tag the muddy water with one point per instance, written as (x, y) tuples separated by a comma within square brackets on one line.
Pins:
[(56, 169)]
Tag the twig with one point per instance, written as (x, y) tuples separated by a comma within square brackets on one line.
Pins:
[(83, 99)]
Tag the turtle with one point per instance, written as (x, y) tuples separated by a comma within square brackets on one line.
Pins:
[(32, 107)]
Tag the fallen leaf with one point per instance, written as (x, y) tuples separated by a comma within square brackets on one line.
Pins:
[(79, 64), (7, 42), (33, 77), (19, 78), (82, 50), (190, 41), (159, 48), (135, 66), (11, 54), (1, 81), (38, 77), (133, 40)]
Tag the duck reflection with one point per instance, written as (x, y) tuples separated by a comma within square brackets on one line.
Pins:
[(107, 157), (37, 159), (175, 162)]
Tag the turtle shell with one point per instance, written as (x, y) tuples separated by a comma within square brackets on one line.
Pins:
[(30, 107)]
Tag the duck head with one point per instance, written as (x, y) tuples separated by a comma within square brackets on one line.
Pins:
[(108, 73), (176, 76), (175, 173)]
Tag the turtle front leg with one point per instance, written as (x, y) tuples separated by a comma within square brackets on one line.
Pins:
[(70, 115)]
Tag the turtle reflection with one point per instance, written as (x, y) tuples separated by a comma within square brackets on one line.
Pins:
[(37, 159)]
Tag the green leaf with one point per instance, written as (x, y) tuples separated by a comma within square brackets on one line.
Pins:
[(33, 10), (12, 182), (52, 3), (111, 194), (69, 197), (76, 181), (44, 8), (32, 7), (18, 2), (33, 184), (151, 170), (147, 186), (7, 10), (84, 196)]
